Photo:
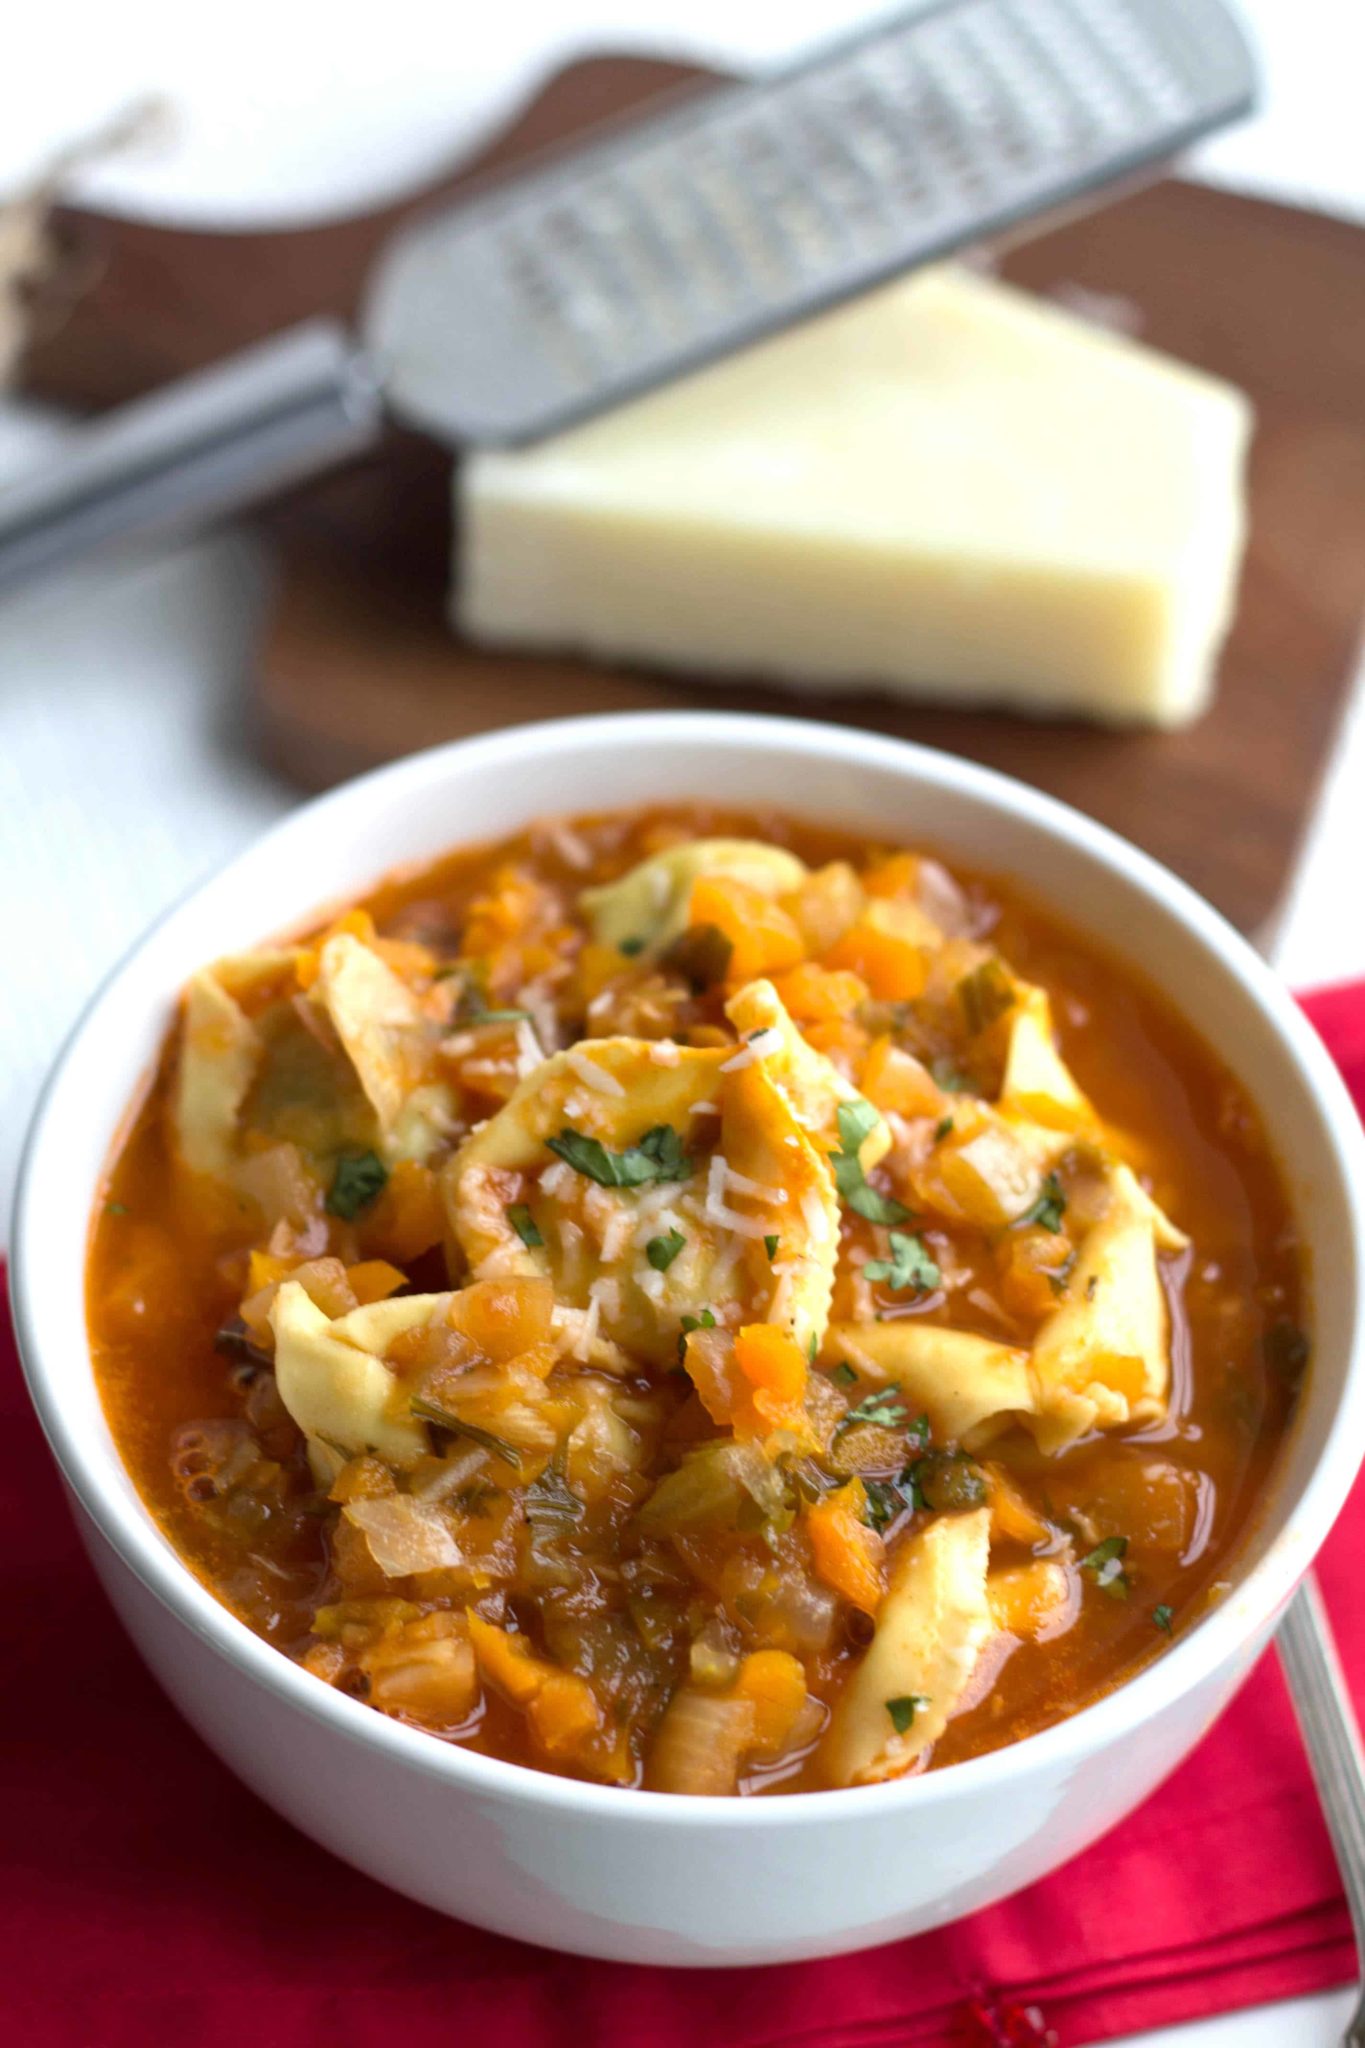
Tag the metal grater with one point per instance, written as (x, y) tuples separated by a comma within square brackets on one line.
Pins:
[(670, 241)]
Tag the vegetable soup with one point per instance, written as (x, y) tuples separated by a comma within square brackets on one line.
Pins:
[(699, 1301)]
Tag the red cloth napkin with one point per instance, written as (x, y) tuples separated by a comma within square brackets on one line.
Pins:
[(149, 1899)]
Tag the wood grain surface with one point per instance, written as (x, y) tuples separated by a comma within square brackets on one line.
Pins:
[(357, 664)]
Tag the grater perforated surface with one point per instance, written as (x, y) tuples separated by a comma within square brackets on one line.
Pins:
[(745, 208)]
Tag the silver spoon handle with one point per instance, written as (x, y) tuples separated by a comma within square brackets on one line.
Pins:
[(1330, 1735)]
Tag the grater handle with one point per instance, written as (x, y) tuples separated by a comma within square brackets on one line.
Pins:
[(205, 446)]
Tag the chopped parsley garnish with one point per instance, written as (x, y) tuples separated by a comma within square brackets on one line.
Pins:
[(908, 1266), (432, 1411), (1104, 1564), (1163, 1616), (116, 1208), (888, 1498), (477, 1017), (942, 1129), (1050, 1206), (630, 947), (661, 1251), (524, 1224), (770, 1245), (903, 1710), (843, 1375), (659, 1156), (883, 1409), (358, 1178), (705, 1321), (920, 1433), (856, 1119)]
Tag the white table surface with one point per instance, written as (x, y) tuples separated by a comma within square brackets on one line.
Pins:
[(125, 772)]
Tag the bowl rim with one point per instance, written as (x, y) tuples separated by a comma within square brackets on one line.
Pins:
[(1196, 1656)]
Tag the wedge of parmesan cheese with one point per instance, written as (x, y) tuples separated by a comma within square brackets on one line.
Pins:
[(948, 489)]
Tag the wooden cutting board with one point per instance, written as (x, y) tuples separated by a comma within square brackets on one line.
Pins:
[(357, 664)]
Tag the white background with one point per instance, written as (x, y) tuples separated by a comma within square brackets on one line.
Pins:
[(124, 771)]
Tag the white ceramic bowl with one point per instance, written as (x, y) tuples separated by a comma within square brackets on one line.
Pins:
[(635, 1875)]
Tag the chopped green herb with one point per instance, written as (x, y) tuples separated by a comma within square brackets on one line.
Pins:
[(116, 1208), (358, 1178), (942, 1129), (661, 1251), (705, 1321), (1050, 1206), (908, 1266), (920, 1433), (856, 1119), (477, 1017), (770, 1245), (659, 1156), (1163, 1616), (985, 994), (630, 947), (903, 1710), (1286, 1349), (432, 1411), (1092, 1286), (524, 1224), (883, 1409), (812, 1347), (950, 1076), (1105, 1566), (888, 1498), (843, 1375)]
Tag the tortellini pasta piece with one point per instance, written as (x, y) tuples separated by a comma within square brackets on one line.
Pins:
[(388, 1040), (647, 908), (811, 1082), (1038, 1086), (932, 1626), (333, 1380), (220, 1049), (635, 1259), (970, 1387), (1102, 1359)]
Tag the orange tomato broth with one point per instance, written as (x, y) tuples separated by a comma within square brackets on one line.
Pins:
[(168, 1270)]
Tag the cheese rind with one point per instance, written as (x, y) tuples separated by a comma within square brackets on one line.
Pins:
[(948, 489)]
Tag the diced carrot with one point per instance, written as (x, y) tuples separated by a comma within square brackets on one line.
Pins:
[(763, 938), (265, 1270), (409, 960), (374, 1280), (1032, 1267), (894, 1080), (1013, 1518), (893, 968), (848, 1555), (818, 995), (358, 923), (774, 1685), (1027, 1598), (841, 1039), (772, 1362), (894, 876), (597, 967), (408, 1217), (563, 1712), (506, 1661)]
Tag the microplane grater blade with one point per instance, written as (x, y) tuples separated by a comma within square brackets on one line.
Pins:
[(741, 210)]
